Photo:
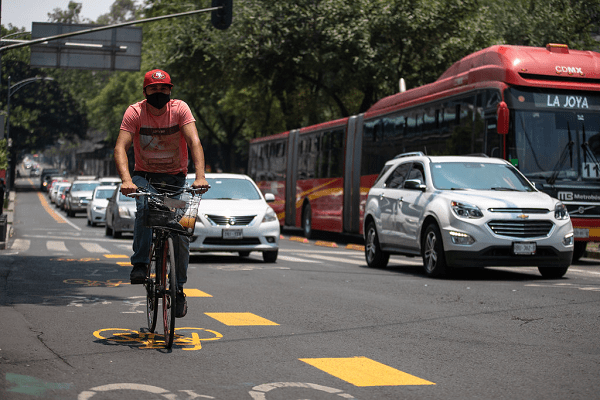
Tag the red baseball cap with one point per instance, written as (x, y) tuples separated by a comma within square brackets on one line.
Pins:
[(157, 76)]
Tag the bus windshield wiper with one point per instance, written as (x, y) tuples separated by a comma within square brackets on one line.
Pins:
[(568, 147), (507, 189)]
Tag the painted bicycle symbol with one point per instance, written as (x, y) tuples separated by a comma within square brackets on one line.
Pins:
[(185, 338), (89, 282)]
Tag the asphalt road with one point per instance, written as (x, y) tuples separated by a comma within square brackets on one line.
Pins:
[(318, 324)]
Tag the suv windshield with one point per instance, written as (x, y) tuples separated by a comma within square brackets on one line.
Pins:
[(477, 176)]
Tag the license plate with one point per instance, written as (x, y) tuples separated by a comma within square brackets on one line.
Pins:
[(232, 234), (581, 232), (524, 248)]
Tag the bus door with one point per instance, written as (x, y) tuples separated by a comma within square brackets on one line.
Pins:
[(290, 179), (351, 210)]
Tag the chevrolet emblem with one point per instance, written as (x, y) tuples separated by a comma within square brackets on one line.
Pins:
[(522, 216)]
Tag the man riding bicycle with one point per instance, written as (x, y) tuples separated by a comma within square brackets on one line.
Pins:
[(161, 130)]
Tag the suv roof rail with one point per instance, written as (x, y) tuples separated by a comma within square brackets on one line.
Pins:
[(414, 153), (477, 155)]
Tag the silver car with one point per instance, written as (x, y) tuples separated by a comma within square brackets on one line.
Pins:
[(464, 212), (78, 196), (120, 214), (234, 217), (96, 208)]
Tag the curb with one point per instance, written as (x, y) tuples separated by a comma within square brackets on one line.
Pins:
[(9, 212)]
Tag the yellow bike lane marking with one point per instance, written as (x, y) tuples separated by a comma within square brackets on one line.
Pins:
[(358, 371), (362, 371)]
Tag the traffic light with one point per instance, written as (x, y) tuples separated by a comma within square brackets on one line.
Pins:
[(221, 18)]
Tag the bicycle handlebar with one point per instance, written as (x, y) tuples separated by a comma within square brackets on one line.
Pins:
[(140, 192)]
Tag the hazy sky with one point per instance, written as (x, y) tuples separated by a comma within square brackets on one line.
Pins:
[(21, 13)]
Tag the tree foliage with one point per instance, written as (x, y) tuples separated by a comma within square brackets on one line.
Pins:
[(290, 63)]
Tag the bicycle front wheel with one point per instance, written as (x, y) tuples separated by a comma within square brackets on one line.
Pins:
[(169, 303), (151, 294)]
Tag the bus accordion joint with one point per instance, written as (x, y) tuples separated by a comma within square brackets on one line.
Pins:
[(503, 118)]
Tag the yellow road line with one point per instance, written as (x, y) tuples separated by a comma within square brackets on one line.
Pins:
[(240, 319), (362, 371), (195, 293), (124, 263), (116, 256), (50, 211)]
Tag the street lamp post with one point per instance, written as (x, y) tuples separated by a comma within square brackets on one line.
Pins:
[(11, 90)]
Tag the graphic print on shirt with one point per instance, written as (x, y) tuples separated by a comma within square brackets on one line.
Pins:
[(158, 147)]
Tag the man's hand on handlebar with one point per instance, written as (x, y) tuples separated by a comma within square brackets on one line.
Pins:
[(128, 187), (201, 184)]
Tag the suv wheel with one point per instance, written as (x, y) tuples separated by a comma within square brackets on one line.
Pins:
[(376, 258), (553, 272), (434, 259)]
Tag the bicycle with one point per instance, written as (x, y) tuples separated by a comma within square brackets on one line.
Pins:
[(166, 216)]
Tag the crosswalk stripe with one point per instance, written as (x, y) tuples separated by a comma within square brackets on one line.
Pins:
[(21, 245), (93, 247), (336, 259), (56, 245), (295, 259)]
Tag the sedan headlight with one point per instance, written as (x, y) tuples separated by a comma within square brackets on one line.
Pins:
[(124, 212), (560, 211), (464, 210), (270, 215)]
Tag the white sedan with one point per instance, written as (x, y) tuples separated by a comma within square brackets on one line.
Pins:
[(234, 217)]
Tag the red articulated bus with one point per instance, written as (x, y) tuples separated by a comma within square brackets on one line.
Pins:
[(537, 107)]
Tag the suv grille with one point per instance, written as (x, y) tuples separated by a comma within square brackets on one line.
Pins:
[(237, 220), (522, 229)]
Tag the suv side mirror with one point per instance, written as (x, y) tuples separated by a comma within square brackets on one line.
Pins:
[(415, 184)]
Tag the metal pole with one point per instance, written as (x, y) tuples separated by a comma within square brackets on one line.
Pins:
[(8, 113), (104, 28)]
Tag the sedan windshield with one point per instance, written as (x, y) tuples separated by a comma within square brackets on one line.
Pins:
[(231, 189), (478, 176)]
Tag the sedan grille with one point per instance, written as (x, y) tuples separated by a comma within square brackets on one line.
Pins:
[(243, 220), (521, 229)]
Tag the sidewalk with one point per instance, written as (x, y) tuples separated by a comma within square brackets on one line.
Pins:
[(9, 211)]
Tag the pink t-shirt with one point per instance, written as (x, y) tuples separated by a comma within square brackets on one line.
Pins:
[(158, 143)]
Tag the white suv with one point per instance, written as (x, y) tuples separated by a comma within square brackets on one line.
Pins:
[(464, 212)]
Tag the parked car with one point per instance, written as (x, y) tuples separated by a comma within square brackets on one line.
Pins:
[(96, 208), (54, 189), (78, 196), (464, 212), (120, 214), (234, 217)]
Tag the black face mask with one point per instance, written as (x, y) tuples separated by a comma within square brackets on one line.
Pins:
[(158, 100)]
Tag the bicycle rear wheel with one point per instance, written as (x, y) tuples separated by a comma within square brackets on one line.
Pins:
[(151, 295), (169, 302)]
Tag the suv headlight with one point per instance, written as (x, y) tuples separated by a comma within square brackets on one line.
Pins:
[(464, 210), (560, 211), (270, 215)]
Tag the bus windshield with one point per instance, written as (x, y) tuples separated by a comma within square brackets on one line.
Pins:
[(556, 136)]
